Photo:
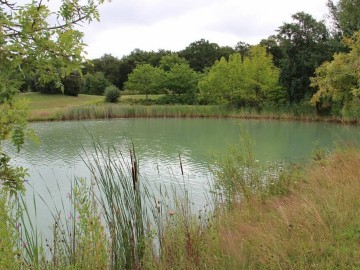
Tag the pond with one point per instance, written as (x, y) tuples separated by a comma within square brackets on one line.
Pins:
[(159, 142)]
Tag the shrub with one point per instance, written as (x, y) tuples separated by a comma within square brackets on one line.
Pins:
[(112, 94)]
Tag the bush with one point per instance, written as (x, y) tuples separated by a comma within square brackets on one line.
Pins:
[(112, 94)]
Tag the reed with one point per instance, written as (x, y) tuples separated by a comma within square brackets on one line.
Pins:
[(107, 111), (125, 203)]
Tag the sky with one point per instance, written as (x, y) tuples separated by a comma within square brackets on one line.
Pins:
[(173, 24)]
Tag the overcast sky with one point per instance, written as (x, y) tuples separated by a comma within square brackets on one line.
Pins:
[(174, 24)]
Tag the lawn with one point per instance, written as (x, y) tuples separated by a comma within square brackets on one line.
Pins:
[(39, 101), (46, 107)]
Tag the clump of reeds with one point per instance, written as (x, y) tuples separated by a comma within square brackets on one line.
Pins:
[(238, 176), (124, 202), (133, 111)]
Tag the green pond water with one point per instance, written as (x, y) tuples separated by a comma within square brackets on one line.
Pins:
[(158, 143)]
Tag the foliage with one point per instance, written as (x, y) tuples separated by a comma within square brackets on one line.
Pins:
[(70, 85), (240, 82), (33, 47), (305, 44), (50, 88), (73, 83), (346, 16), (129, 62), (338, 81), (181, 79), (170, 99), (167, 62), (13, 127), (107, 64), (95, 84), (112, 94), (145, 79), (201, 54), (8, 235), (242, 48)]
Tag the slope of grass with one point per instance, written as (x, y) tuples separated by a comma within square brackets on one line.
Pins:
[(45, 107), (315, 226)]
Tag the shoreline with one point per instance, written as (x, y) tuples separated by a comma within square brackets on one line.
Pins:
[(103, 112)]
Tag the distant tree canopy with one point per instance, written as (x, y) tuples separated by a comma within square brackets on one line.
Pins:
[(109, 66), (202, 54), (298, 49)]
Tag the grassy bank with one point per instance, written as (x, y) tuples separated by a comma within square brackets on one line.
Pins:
[(49, 108), (263, 217), (313, 225)]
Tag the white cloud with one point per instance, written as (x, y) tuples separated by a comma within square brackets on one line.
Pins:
[(172, 25)]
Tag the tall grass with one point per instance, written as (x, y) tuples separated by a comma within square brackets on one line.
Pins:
[(264, 217), (106, 227), (314, 224), (129, 111), (125, 202), (106, 111)]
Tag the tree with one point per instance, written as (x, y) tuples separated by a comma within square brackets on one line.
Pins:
[(305, 44), (33, 47), (129, 63), (262, 76), (217, 85), (338, 81), (95, 84), (109, 66), (242, 48), (201, 54), (345, 15), (273, 47), (247, 82), (167, 62), (145, 79), (181, 80), (70, 85), (225, 51), (73, 83)]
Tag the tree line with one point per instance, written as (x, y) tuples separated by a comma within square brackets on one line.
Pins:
[(289, 67)]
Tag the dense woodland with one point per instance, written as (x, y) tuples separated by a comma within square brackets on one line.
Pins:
[(306, 62)]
